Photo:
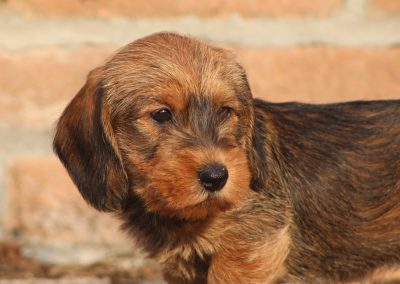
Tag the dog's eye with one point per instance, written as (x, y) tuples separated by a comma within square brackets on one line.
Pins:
[(226, 112), (162, 116)]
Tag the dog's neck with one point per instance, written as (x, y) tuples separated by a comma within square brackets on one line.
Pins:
[(155, 232)]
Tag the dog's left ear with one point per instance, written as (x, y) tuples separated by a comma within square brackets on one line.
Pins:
[(85, 143), (258, 154), (256, 137)]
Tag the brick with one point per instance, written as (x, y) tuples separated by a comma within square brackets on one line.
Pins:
[(36, 85), (323, 74), (45, 208), (384, 7), (161, 8)]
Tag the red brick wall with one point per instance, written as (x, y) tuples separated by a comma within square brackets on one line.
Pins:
[(160, 8), (385, 7), (304, 50)]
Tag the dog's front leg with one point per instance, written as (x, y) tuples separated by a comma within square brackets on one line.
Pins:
[(245, 261), (173, 279), (192, 270)]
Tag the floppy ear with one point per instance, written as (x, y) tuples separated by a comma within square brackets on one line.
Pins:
[(258, 154), (85, 143), (255, 134)]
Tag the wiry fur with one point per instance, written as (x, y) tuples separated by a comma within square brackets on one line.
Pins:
[(313, 192)]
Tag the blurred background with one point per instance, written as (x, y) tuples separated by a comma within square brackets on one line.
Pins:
[(314, 51)]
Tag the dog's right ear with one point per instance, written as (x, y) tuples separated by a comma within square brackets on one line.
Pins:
[(85, 143)]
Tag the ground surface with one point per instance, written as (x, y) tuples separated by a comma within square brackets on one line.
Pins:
[(18, 269)]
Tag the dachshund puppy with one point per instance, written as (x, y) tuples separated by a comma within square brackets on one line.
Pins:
[(223, 188)]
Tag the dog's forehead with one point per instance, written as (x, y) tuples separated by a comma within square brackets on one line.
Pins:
[(171, 55), (172, 69), (179, 97)]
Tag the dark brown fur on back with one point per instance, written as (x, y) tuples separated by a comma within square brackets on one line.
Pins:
[(312, 194)]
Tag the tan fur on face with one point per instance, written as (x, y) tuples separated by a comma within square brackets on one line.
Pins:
[(145, 82), (175, 189)]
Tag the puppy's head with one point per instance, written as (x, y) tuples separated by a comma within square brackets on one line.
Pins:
[(167, 120)]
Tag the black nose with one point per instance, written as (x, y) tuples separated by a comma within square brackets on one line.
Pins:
[(213, 177)]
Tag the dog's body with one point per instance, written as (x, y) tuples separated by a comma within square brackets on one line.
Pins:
[(221, 188)]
